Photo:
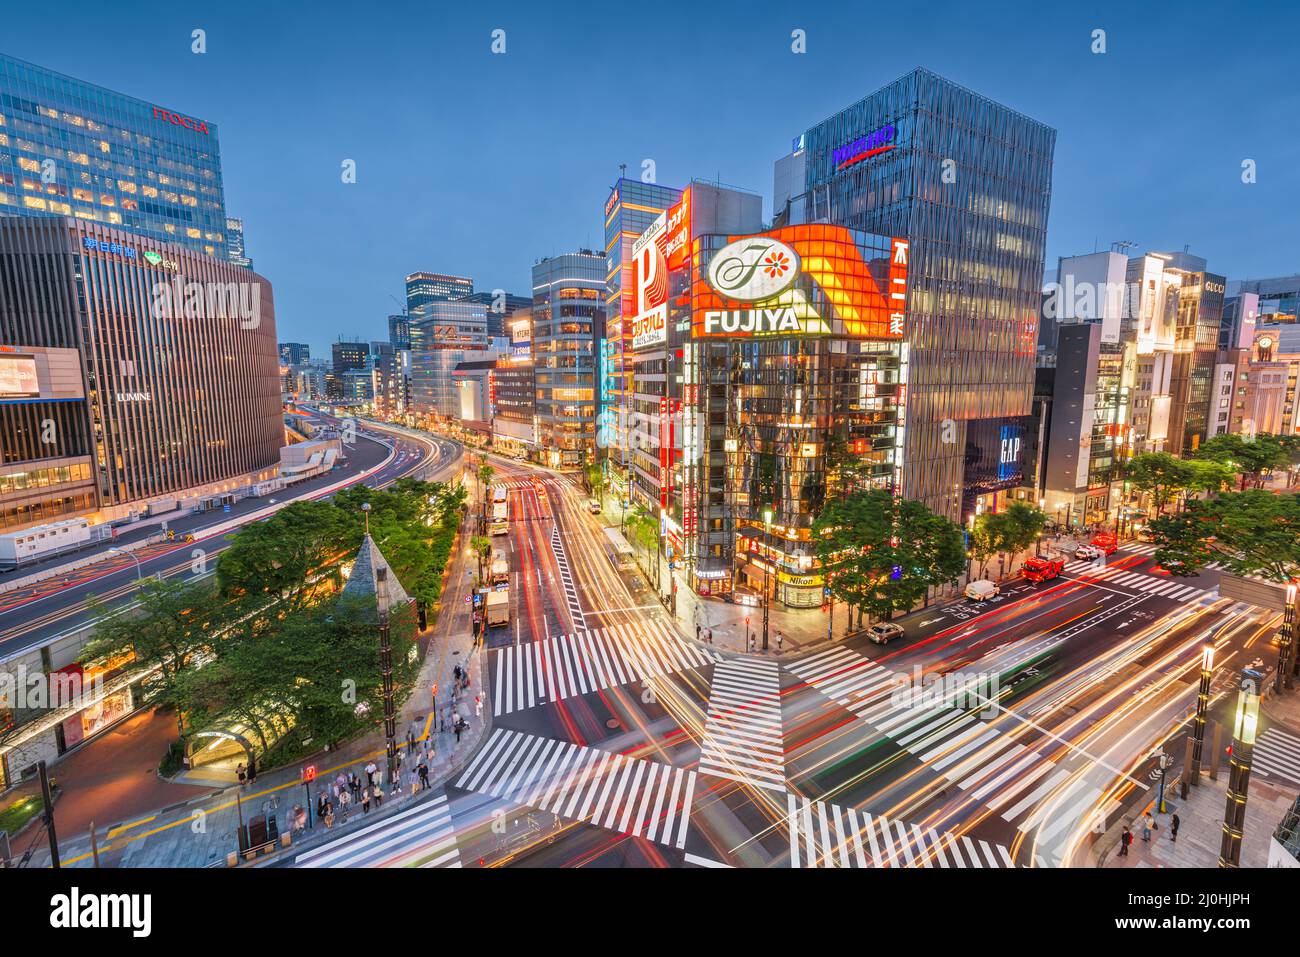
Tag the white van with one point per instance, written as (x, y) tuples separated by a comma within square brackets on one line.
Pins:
[(981, 590), (593, 506)]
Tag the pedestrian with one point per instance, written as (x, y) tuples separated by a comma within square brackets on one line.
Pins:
[(1125, 839), (710, 636), (241, 774), (344, 801), (424, 777), (329, 815), (1148, 822), (379, 796), (354, 783), (457, 726), (365, 800), (780, 640), (751, 641), (410, 741), (252, 770), (478, 706), (370, 773), (442, 721), (697, 631), (1173, 827), (321, 804)]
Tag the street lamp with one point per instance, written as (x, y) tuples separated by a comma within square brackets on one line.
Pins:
[(1285, 677), (1243, 749), (1193, 776), (767, 596), (139, 575)]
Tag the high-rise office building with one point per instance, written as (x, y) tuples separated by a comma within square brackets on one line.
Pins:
[(71, 148), (501, 306), (445, 333), (968, 182), (294, 353), (631, 207), (423, 288), (105, 338), (568, 319), (235, 243), (346, 358), (399, 331)]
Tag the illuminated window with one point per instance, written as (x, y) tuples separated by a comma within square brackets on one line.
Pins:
[(33, 202), (31, 165), (193, 233), (85, 195)]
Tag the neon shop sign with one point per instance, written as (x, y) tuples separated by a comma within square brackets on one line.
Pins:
[(865, 147)]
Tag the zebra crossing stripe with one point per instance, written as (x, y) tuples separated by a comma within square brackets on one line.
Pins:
[(421, 836), (612, 791), (566, 578), (828, 835), (1277, 754), (562, 666), (742, 733)]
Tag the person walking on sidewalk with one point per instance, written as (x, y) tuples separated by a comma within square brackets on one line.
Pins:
[(424, 777), (1125, 839), (478, 706), (241, 774), (1174, 822), (370, 774), (780, 640), (365, 800)]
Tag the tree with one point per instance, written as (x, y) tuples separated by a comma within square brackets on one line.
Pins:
[(1017, 527), (1250, 533), (1252, 456), (1165, 476), (288, 555), (481, 546), (485, 475), (174, 623), (881, 554), (1209, 476)]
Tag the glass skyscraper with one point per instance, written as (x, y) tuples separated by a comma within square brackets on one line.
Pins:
[(423, 288), (968, 182), (70, 148)]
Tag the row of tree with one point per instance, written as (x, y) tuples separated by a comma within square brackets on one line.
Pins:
[(1217, 465), (267, 641)]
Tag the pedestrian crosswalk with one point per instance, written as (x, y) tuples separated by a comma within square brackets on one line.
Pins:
[(421, 836), (1022, 785), (566, 579), (542, 672), (742, 735), (828, 835), (1277, 756), (628, 795), (517, 485), (1151, 585)]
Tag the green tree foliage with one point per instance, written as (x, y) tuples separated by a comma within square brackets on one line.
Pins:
[(881, 553), (1251, 456), (1251, 533), (1163, 475), (288, 555)]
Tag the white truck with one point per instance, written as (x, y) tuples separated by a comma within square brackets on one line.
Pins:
[(499, 575), (498, 608)]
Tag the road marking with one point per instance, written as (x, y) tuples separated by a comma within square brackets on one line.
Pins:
[(422, 836), (742, 734)]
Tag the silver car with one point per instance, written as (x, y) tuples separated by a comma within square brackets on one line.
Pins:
[(882, 633)]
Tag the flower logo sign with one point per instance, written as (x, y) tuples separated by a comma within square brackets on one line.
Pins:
[(753, 269)]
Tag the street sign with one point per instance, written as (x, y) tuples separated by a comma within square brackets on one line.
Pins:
[(309, 773)]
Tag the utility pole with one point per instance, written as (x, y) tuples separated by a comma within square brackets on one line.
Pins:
[(767, 558), (48, 800), (1243, 749)]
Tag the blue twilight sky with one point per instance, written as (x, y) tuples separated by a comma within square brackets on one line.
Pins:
[(478, 164)]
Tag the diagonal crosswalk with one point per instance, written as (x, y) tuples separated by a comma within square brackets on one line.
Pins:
[(1022, 785), (742, 734), (421, 836), (1277, 756), (541, 672), (606, 789), (1150, 548), (828, 835)]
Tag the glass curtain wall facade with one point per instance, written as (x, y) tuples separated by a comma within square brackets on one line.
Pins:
[(568, 320), (423, 288), (445, 334), (70, 148), (968, 181)]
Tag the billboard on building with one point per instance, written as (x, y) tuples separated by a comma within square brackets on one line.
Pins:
[(805, 280), (18, 377), (650, 285)]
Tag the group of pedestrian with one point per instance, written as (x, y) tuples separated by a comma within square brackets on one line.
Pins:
[(247, 774), (1149, 825)]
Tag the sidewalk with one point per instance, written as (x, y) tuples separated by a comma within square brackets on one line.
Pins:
[(201, 831), (1201, 814)]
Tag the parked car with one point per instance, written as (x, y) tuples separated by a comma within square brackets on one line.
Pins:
[(882, 633), (1042, 569), (981, 590)]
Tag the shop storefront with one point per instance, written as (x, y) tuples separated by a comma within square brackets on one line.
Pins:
[(799, 591)]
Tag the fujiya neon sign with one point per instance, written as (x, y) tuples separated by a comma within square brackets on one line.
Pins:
[(865, 147)]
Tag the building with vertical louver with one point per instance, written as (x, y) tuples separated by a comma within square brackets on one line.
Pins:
[(134, 374)]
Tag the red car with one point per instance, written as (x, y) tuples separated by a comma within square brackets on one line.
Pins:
[(1106, 542), (1042, 569)]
